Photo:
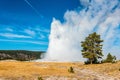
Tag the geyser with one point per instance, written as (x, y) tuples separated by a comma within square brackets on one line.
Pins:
[(102, 16), (63, 46)]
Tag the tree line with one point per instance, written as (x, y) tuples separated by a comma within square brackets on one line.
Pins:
[(21, 55), (92, 50)]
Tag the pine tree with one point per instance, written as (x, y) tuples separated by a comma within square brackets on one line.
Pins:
[(92, 48), (110, 58)]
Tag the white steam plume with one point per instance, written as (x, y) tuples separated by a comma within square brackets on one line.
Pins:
[(102, 16)]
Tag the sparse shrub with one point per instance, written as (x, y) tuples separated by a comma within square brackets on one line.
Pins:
[(119, 69), (71, 70), (40, 78)]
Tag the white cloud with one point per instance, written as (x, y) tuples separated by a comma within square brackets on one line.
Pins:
[(11, 35), (42, 36), (85, 3), (102, 16), (26, 41), (29, 32), (42, 29), (9, 29)]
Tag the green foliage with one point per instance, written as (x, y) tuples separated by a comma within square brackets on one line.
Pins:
[(110, 58), (92, 48), (95, 62), (20, 55), (71, 70), (40, 78)]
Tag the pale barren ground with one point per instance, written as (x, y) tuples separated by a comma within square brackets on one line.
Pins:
[(15, 70)]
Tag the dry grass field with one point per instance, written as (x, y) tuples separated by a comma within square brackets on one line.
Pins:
[(15, 70)]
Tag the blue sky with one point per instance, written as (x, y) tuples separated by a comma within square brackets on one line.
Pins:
[(58, 26), (25, 24)]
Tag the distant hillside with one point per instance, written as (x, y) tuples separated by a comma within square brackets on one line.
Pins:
[(21, 55)]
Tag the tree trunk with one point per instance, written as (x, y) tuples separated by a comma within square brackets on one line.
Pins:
[(90, 61)]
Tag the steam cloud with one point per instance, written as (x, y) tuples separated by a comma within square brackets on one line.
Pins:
[(102, 16)]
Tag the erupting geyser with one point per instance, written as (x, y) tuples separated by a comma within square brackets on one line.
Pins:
[(101, 16), (63, 44)]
